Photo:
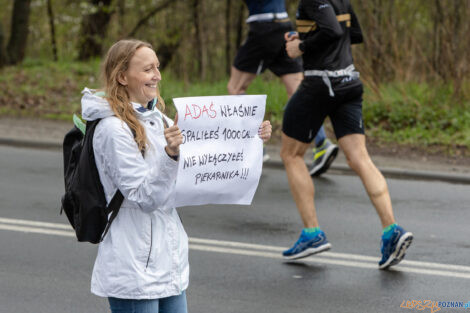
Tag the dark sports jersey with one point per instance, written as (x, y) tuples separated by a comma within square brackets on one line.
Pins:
[(265, 6), (327, 29)]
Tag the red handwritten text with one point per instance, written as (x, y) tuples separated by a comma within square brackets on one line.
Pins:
[(196, 111)]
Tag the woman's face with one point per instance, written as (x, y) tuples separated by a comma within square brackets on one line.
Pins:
[(142, 76)]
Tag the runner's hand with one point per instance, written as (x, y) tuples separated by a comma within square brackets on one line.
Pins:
[(292, 48), (289, 36), (173, 138), (265, 130)]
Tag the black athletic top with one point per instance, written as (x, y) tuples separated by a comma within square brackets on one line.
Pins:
[(265, 6), (327, 29)]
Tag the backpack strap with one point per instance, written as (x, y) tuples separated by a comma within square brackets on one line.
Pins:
[(114, 206)]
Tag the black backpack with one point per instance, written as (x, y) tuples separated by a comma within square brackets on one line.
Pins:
[(84, 200)]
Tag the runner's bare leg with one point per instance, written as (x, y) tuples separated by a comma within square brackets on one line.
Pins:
[(354, 148), (300, 182), (239, 81)]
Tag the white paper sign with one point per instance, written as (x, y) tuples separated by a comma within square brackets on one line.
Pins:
[(222, 155)]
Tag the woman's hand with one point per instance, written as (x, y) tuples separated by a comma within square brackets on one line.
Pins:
[(265, 130), (173, 138)]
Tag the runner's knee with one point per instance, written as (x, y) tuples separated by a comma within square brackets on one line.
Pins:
[(230, 88), (234, 89), (288, 155), (357, 162)]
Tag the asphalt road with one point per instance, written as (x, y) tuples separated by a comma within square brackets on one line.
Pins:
[(235, 250)]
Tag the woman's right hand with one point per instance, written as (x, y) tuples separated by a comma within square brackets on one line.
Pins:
[(174, 139)]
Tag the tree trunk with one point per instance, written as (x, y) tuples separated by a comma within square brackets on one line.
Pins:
[(19, 31), (435, 43), (457, 53), (238, 40), (441, 43), (377, 42), (228, 57), (166, 51), (121, 10), (3, 53), (197, 6), (93, 29), (50, 13)]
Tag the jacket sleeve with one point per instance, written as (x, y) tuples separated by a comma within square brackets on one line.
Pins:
[(328, 27), (355, 32), (150, 187)]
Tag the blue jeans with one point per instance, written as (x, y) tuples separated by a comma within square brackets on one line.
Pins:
[(174, 304)]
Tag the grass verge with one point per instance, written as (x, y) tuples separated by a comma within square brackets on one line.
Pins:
[(414, 114)]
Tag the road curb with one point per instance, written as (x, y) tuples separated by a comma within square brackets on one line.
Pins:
[(392, 173), (334, 169), (30, 143)]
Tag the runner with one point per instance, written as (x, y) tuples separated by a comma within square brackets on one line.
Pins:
[(331, 87), (265, 49)]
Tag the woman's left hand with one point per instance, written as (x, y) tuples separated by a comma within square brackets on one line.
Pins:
[(173, 138), (265, 130)]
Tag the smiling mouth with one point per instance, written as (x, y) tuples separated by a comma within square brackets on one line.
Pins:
[(151, 86)]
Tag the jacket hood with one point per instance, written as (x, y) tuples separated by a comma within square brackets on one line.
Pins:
[(94, 105)]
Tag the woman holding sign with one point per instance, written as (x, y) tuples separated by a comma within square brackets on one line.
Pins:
[(142, 262)]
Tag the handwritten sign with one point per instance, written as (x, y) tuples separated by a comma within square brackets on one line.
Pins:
[(222, 155)]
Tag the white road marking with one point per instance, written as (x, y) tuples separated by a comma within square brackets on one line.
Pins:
[(257, 250), (279, 256), (348, 256), (34, 223), (37, 230), (324, 260)]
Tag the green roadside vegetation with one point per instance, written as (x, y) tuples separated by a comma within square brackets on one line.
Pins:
[(414, 114)]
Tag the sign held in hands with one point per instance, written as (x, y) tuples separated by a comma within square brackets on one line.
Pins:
[(222, 155)]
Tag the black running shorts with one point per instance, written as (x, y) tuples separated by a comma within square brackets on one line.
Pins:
[(311, 104), (265, 48)]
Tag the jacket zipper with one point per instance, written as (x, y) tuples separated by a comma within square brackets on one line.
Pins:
[(151, 240)]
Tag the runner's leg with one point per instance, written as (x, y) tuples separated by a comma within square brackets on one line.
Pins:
[(320, 137), (321, 162), (239, 81), (292, 82), (301, 185), (354, 148)]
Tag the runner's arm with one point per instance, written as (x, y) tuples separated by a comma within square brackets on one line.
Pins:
[(355, 31), (328, 27)]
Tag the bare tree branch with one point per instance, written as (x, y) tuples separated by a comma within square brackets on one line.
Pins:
[(148, 16)]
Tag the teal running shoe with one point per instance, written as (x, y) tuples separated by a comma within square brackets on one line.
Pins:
[(394, 249)]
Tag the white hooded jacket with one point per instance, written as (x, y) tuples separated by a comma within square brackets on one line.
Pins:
[(144, 255)]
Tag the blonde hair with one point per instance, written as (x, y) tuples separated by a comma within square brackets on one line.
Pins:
[(115, 64)]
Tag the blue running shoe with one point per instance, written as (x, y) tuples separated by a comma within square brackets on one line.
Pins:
[(306, 246), (393, 249)]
